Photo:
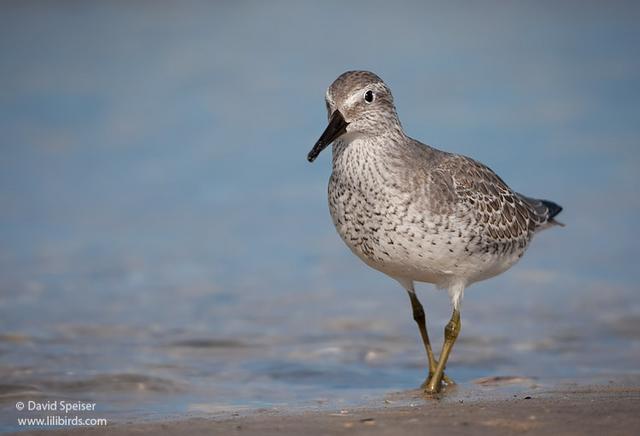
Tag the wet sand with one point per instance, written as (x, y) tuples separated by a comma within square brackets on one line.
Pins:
[(612, 409)]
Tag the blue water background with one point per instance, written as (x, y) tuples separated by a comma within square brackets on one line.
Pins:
[(165, 247)]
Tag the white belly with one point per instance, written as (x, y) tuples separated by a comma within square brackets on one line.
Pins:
[(411, 245)]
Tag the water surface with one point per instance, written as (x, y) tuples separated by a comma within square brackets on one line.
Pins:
[(166, 250)]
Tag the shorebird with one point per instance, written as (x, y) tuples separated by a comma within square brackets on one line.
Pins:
[(416, 213)]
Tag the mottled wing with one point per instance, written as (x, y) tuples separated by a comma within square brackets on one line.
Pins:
[(504, 214)]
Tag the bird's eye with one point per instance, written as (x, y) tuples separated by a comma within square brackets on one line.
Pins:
[(368, 96)]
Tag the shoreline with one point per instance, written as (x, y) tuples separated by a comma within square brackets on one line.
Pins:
[(613, 408)]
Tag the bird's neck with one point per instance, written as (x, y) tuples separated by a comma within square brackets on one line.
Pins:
[(357, 152), (364, 147)]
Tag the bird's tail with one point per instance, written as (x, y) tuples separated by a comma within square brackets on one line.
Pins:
[(545, 211), (553, 209)]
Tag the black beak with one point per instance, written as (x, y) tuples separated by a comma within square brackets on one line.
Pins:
[(337, 127)]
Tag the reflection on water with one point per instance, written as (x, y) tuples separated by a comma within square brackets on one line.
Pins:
[(165, 249)]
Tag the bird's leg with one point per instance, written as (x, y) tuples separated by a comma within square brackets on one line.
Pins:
[(451, 332), (420, 319)]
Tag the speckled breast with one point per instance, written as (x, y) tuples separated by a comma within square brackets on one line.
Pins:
[(393, 233)]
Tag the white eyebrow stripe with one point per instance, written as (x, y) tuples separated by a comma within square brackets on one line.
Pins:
[(354, 97)]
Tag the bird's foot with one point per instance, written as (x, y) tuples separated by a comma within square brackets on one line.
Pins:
[(429, 388)]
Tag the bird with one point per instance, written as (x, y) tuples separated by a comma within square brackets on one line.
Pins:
[(417, 213)]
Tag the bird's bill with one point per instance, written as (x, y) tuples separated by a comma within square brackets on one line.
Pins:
[(337, 127)]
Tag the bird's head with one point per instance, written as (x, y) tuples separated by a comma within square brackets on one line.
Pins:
[(358, 103)]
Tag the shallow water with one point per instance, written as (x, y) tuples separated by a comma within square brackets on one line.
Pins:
[(166, 250)]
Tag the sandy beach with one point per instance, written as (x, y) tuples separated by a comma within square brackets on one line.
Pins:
[(612, 408)]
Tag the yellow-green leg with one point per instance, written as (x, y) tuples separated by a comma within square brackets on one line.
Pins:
[(451, 332), (420, 318)]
